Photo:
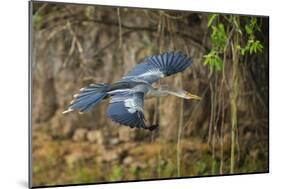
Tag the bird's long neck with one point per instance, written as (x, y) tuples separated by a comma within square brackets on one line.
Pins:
[(165, 91), (156, 92)]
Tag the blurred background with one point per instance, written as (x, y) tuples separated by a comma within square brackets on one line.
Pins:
[(224, 133)]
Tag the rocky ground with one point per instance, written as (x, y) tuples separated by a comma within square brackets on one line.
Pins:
[(87, 157)]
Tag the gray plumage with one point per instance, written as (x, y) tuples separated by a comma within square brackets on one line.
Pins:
[(127, 95)]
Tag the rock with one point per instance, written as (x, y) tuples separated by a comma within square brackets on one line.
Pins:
[(109, 156), (124, 134), (128, 146), (139, 165), (99, 159), (114, 141), (128, 160), (91, 136), (73, 158), (79, 134), (95, 137)]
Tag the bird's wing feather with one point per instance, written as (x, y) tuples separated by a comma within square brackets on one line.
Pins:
[(127, 110), (155, 67)]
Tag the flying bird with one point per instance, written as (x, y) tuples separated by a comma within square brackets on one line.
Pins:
[(127, 95)]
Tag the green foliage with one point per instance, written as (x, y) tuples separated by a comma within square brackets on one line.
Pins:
[(84, 175), (251, 26), (133, 171), (213, 60), (201, 168), (37, 20), (218, 40), (218, 37), (211, 18), (169, 169), (37, 168), (116, 174), (160, 165), (252, 46)]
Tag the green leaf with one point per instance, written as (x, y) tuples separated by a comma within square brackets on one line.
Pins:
[(218, 37), (37, 20), (213, 61), (211, 18), (248, 29), (253, 22), (243, 51), (258, 46), (252, 47)]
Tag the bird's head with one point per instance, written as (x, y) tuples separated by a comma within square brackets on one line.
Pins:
[(189, 96)]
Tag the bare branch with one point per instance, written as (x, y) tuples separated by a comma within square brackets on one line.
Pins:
[(120, 27)]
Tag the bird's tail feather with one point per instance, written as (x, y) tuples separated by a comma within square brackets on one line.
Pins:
[(88, 97)]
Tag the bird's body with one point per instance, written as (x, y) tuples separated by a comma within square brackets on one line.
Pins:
[(127, 95)]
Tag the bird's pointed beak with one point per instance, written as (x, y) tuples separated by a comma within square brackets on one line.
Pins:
[(192, 96)]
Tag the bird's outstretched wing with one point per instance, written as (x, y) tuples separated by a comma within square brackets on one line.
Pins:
[(155, 67), (127, 110)]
